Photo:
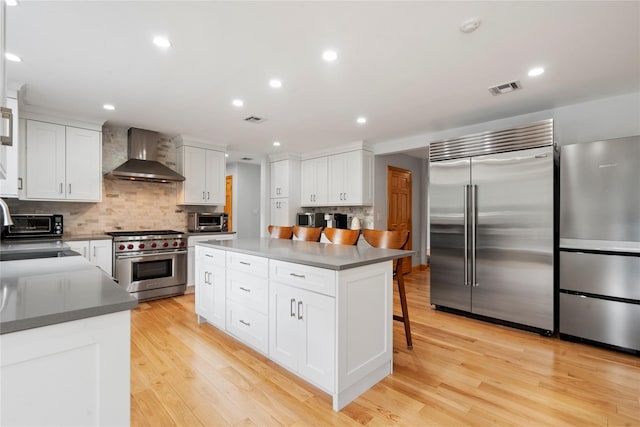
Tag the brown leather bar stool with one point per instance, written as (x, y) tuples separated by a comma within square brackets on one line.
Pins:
[(310, 234), (340, 236), (279, 232), (394, 240)]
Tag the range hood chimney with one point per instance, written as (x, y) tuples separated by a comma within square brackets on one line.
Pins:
[(142, 147)]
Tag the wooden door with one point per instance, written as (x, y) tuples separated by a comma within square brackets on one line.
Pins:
[(399, 209), (228, 206)]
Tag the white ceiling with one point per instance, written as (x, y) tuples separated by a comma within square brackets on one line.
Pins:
[(406, 66)]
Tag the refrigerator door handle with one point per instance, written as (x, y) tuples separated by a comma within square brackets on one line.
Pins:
[(466, 235), (474, 215)]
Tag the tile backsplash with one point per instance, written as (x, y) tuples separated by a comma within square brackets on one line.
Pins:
[(126, 205)]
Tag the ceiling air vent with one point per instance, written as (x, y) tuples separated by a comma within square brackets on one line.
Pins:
[(254, 119), (247, 159), (505, 88)]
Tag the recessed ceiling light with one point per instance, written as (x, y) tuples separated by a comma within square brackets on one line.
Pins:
[(226, 154), (238, 102), (11, 2), (275, 83), (276, 144), (161, 41), (536, 71), (361, 120), (108, 107), (329, 55), (470, 25), (12, 57)]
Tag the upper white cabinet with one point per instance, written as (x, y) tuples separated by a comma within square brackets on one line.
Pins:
[(10, 185), (314, 182), (62, 162), (285, 189), (204, 169), (339, 179)]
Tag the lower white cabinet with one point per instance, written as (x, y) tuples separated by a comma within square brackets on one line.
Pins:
[(72, 373), (210, 278), (191, 253), (302, 333), (98, 252)]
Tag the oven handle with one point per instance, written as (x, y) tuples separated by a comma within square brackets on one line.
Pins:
[(156, 255)]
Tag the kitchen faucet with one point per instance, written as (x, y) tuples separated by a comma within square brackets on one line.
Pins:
[(6, 215)]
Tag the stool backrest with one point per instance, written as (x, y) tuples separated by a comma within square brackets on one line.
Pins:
[(386, 239), (310, 234), (279, 232), (340, 236)]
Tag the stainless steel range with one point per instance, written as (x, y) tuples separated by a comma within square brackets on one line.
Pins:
[(150, 264)]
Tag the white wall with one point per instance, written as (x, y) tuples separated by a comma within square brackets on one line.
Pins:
[(246, 199)]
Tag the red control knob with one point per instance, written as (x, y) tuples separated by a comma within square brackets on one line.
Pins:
[(121, 247), (175, 243), (181, 243), (165, 244), (153, 245), (129, 246), (141, 245)]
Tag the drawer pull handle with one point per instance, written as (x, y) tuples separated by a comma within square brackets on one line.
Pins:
[(245, 263), (299, 310), (300, 276), (293, 307), (245, 323), (245, 289), (208, 255)]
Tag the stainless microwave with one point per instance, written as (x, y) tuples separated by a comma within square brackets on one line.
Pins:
[(208, 221), (309, 219), (27, 226)]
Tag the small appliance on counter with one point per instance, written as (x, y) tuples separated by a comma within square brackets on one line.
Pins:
[(310, 219), (31, 226), (208, 221), (340, 220)]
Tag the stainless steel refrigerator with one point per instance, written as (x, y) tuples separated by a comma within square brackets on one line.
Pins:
[(492, 226), (600, 242)]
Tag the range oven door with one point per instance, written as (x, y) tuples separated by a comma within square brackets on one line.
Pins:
[(140, 272)]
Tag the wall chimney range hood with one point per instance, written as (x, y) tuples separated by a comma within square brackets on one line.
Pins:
[(142, 147)]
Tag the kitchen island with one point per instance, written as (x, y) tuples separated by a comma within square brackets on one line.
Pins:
[(322, 311), (64, 342)]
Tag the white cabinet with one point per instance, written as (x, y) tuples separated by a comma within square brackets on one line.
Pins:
[(4, 131), (280, 213), (210, 284), (302, 333), (98, 252), (285, 190), (204, 172), (314, 182), (350, 178), (191, 253), (10, 185), (62, 162)]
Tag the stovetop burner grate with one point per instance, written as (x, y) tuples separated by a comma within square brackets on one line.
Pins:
[(143, 233)]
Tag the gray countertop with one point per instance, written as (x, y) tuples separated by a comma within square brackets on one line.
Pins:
[(42, 292), (321, 255)]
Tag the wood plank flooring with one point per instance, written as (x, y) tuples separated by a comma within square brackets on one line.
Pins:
[(460, 372)]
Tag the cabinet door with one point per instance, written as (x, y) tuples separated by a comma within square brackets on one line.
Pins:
[(45, 152), (280, 178), (280, 212), (316, 314), (203, 284), (284, 326), (9, 185), (80, 246), (352, 183), (336, 177), (215, 177), (83, 164), (101, 254), (314, 182), (194, 169)]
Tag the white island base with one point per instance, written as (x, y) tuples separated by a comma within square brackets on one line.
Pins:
[(331, 327)]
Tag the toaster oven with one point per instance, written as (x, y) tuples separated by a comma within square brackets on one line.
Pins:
[(27, 226), (208, 221)]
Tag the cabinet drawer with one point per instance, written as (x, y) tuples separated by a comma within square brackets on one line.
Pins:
[(215, 256), (248, 290), (249, 264), (314, 279), (248, 326)]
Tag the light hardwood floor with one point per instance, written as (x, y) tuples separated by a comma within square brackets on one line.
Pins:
[(460, 372)]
